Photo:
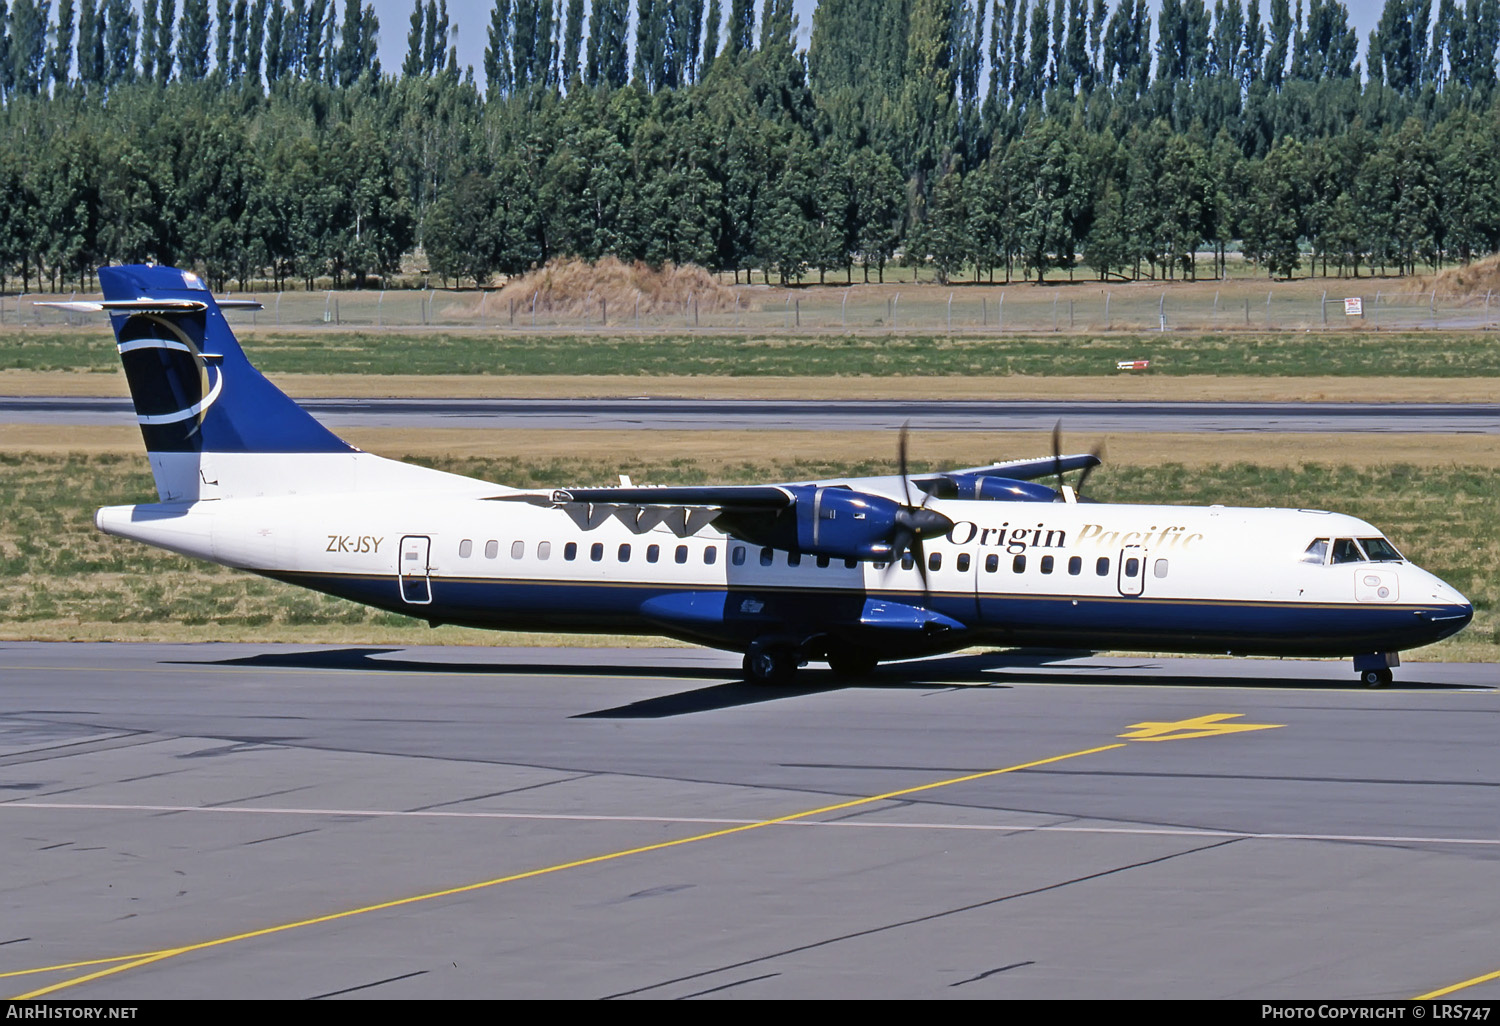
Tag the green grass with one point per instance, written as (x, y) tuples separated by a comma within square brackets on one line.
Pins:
[(62, 578), (1448, 354)]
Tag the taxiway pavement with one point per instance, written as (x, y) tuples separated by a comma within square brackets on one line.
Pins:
[(241, 821)]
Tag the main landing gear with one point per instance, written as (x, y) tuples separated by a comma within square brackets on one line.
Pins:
[(777, 662), (1375, 669), (771, 664)]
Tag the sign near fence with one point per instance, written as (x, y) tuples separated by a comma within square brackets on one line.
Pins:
[(1354, 307)]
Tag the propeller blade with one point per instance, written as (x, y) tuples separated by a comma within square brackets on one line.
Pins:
[(1057, 454), (901, 461), (1098, 453), (920, 559)]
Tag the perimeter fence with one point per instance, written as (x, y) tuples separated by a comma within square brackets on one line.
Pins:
[(925, 309)]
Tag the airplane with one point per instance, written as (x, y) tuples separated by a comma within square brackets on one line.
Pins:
[(852, 571)]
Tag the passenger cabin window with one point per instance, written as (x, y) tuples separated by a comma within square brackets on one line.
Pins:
[(1346, 550), (466, 548), (1075, 566), (517, 549), (963, 562), (491, 549), (794, 559), (935, 561), (710, 555), (1101, 566), (1380, 551), (737, 556), (822, 562), (850, 564), (596, 551), (1132, 567), (1046, 564), (570, 551), (765, 557), (625, 553), (681, 554), (1160, 569), (1018, 565), (544, 550), (991, 563), (1317, 552), (908, 561), (653, 553)]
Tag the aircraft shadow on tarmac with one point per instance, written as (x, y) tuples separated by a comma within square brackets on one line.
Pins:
[(995, 670)]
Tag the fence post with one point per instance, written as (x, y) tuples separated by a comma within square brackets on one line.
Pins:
[(786, 313), (895, 300), (1268, 310), (380, 308), (695, 310), (1432, 307), (1161, 311), (1213, 321), (844, 311), (1070, 315), (797, 311), (1106, 309), (604, 311), (1054, 313), (637, 311), (533, 307), (1377, 310), (278, 309), (1000, 313), (1323, 306), (950, 313), (328, 307), (1487, 305), (431, 298), (984, 311), (736, 304)]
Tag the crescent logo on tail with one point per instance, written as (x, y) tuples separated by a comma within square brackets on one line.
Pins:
[(213, 381)]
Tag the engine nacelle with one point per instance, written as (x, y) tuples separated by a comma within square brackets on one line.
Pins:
[(844, 524)]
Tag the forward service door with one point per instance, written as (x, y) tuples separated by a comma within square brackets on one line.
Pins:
[(1132, 571)]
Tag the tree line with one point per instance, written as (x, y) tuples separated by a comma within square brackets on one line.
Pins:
[(1020, 138)]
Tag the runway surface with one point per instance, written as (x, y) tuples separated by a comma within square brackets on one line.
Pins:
[(852, 415), (237, 821)]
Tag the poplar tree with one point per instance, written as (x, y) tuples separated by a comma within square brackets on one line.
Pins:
[(61, 61), (498, 74), (149, 29), (192, 40), (415, 60), (90, 55), (164, 56)]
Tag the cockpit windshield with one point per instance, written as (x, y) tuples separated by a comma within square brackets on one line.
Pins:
[(1350, 550), (1380, 551), (1346, 550)]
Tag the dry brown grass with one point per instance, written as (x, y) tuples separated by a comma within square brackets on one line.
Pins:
[(574, 288), (710, 449), (1470, 281)]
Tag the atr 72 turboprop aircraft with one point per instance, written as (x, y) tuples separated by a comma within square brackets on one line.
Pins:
[(850, 571)]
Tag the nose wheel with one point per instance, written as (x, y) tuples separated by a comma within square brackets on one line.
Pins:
[(1376, 678)]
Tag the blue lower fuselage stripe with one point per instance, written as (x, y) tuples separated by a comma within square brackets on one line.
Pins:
[(734, 617)]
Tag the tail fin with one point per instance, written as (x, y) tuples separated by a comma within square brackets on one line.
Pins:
[(193, 388), (214, 426)]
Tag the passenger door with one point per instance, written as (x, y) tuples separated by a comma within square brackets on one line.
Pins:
[(413, 569)]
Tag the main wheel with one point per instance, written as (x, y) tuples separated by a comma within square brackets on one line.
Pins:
[(851, 663), (1377, 678), (770, 665)]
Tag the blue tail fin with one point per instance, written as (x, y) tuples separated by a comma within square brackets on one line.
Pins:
[(193, 388)]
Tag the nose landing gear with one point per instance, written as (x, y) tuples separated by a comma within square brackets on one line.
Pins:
[(1375, 669)]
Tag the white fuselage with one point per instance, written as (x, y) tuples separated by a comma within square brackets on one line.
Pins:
[(1079, 575)]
